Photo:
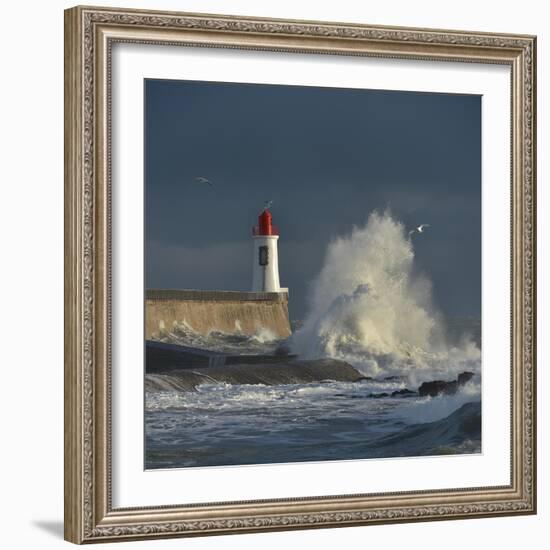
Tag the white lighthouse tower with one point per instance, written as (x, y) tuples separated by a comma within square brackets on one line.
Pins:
[(265, 262)]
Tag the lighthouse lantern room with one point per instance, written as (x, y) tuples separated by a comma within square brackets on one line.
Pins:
[(265, 265)]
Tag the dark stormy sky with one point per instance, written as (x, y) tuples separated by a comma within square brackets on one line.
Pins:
[(327, 157)]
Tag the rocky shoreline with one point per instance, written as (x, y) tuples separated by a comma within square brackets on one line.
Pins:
[(293, 371), (430, 389)]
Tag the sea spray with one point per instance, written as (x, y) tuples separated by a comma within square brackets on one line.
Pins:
[(370, 306), (262, 342)]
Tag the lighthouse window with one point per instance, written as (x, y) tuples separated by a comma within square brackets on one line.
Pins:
[(264, 255)]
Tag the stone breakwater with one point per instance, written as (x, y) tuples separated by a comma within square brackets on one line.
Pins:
[(172, 367), (223, 311), (290, 372)]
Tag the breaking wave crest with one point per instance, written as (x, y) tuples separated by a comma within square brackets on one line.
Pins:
[(371, 307), (263, 341)]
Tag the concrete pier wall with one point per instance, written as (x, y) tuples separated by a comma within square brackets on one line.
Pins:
[(290, 372), (225, 311), (162, 357)]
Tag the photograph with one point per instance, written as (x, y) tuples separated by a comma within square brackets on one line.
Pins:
[(313, 274), (299, 272), (286, 257)]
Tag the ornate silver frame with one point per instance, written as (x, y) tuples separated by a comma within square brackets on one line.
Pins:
[(89, 35)]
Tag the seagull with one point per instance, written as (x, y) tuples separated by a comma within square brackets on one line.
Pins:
[(202, 179), (419, 229), (267, 205)]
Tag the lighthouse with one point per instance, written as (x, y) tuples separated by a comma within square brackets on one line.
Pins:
[(265, 262)]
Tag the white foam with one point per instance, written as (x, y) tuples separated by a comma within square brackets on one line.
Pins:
[(431, 409), (369, 307)]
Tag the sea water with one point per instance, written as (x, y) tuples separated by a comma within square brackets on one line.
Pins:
[(223, 425), (369, 307)]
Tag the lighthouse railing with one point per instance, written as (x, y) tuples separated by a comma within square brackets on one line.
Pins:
[(256, 230)]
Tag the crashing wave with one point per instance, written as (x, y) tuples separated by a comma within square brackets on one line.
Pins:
[(372, 308), (262, 342)]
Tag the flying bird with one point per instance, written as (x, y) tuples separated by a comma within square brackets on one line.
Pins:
[(267, 204), (419, 229), (202, 179)]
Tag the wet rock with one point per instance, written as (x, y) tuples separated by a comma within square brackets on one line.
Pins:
[(465, 377), (405, 392), (379, 395), (442, 387), (282, 351), (438, 387)]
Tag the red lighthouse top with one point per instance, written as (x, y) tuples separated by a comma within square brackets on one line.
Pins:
[(265, 225)]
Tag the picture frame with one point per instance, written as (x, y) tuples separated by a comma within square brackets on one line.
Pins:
[(90, 34)]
